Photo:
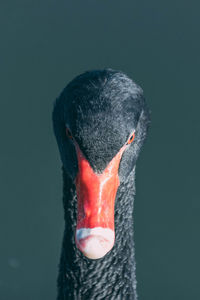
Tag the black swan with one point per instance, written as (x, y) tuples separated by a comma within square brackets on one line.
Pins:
[(100, 122)]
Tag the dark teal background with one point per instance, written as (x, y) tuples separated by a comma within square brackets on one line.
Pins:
[(43, 45)]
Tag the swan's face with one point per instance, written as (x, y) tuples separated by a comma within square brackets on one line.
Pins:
[(99, 139)]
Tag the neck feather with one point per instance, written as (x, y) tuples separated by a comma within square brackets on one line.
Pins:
[(111, 277)]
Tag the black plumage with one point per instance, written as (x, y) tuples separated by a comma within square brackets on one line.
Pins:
[(101, 108)]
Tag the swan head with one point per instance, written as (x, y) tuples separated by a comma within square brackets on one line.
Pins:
[(100, 122)]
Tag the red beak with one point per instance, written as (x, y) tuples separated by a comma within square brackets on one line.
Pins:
[(96, 194)]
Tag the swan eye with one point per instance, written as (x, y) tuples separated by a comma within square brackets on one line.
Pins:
[(130, 140), (69, 134)]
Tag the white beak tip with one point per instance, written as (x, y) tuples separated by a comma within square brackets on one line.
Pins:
[(95, 243)]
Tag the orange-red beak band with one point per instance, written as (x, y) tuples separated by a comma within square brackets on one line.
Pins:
[(96, 200)]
